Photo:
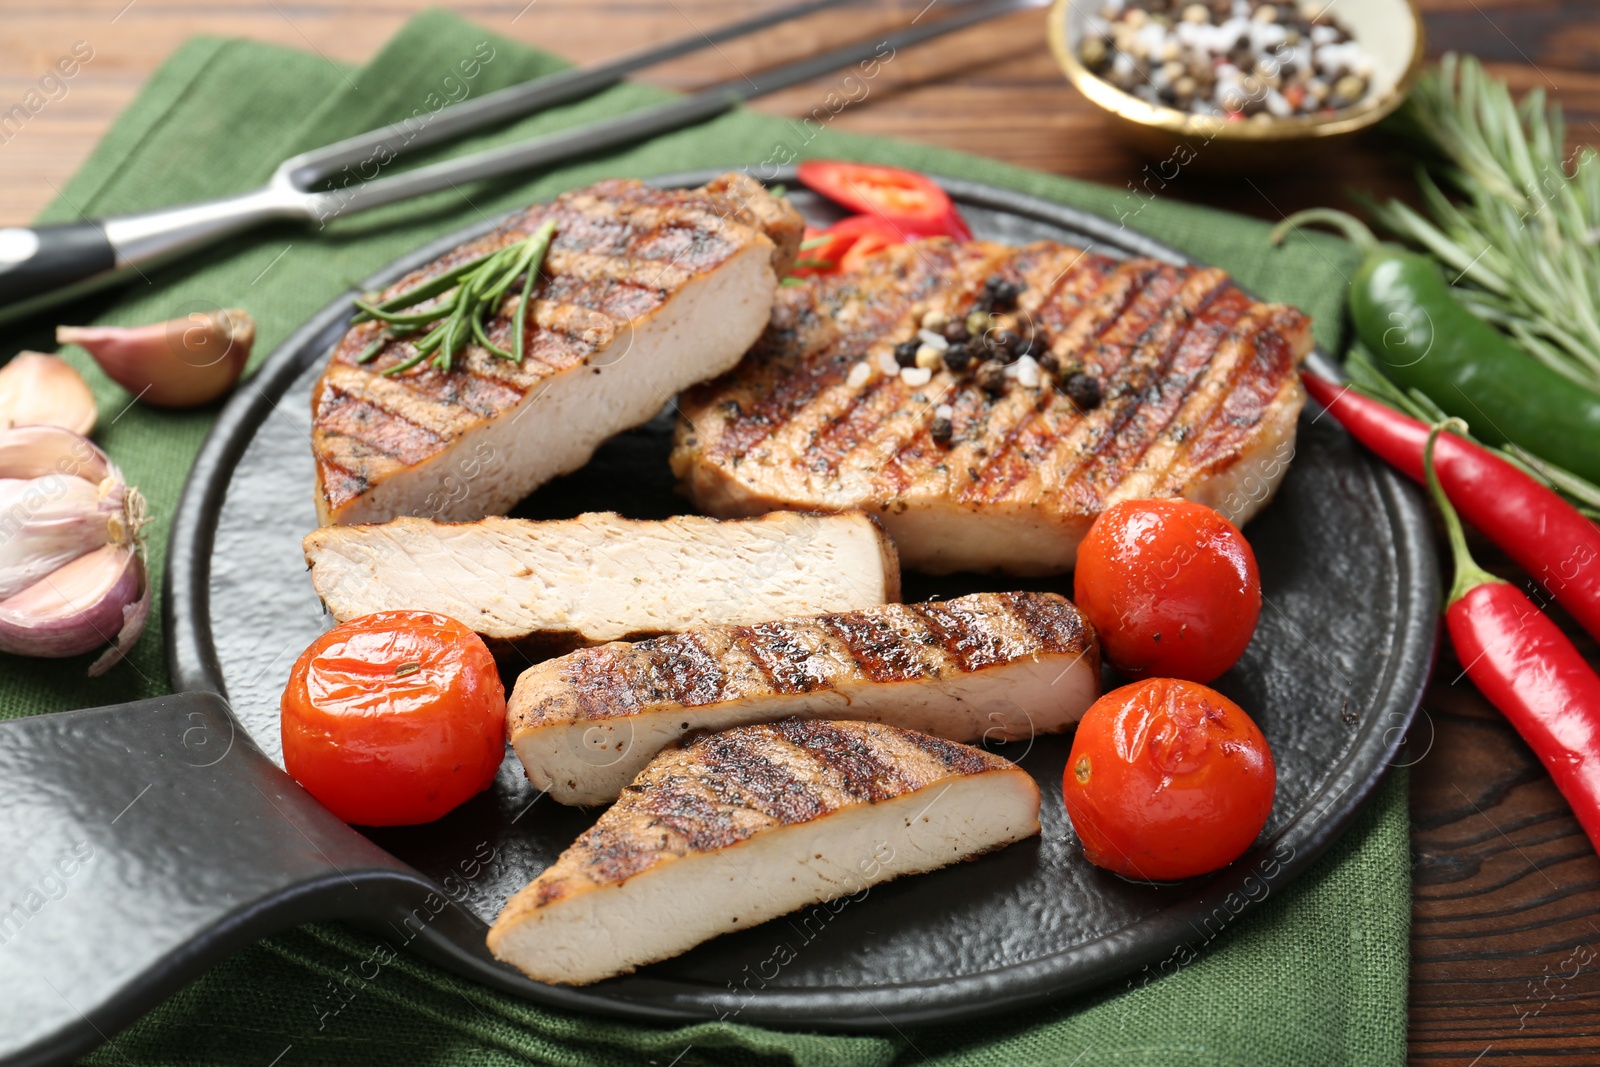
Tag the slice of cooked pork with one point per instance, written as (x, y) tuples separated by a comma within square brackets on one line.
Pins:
[(1151, 380), (644, 291), (736, 828), (991, 666), (545, 588)]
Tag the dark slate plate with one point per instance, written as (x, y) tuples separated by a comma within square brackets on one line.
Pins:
[(1333, 676)]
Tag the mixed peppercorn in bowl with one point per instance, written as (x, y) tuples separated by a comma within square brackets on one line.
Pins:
[(1219, 85)]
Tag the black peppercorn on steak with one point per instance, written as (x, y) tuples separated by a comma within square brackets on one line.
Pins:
[(991, 666), (736, 828), (545, 588), (989, 401), (643, 292)]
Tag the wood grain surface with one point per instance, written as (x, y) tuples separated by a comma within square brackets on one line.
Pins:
[(1505, 951)]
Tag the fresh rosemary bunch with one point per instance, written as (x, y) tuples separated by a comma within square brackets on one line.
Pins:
[(470, 292), (1522, 244)]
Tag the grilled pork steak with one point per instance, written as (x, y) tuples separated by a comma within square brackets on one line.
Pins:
[(545, 588), (736, 828), (1167, 381), (644, 291), (999, 666)]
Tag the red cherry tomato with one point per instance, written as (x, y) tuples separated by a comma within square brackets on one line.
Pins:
[(1167, 779), (912, 201), (1171, 588), (394, 718)]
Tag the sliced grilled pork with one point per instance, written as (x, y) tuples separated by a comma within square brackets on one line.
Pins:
[(545, 588), (736, 828), (644, 292), (998, 666), (1197, 397)]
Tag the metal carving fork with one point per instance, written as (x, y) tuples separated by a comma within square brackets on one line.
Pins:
[(47, 265)]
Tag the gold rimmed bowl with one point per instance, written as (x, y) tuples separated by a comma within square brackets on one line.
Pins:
[(1390, 31)]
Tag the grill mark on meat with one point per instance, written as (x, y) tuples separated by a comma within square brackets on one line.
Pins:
[(1257, 384), (971, 638), (1053, 622), (1129, 418), (687, 806), (879, 649), (844, 752), (1161, 411), (745, 774), (1133, 295), (679, 669), (777, 649), (812, 348), (1204, 403), (1100, 311), (951, 756), (385, 433), (599, 683)]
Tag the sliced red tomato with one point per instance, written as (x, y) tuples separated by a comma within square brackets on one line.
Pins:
[(912, 201)]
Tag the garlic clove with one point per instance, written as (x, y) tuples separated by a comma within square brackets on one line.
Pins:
[(39, 451), (46, 523), (180, 363), (41, 390), (78, 608), (134, 616)]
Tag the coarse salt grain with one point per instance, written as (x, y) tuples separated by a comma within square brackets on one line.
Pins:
[(1026, 372), (937, 341), (943, 411), (887, 363), (916, 376)]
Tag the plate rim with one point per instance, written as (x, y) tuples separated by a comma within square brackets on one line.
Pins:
[(1324, 816)]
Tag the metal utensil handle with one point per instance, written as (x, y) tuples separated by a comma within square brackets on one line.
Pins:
[(45, 265), (639, 125), (552, 90)]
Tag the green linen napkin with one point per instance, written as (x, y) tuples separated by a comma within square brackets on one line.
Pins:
[(1316, 976)]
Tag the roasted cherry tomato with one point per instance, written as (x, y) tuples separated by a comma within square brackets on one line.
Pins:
[(394, 718), (1171, 587), (912, 201), (1167, 779)]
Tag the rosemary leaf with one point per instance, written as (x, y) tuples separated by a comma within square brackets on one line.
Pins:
[(430, 288), (476, 289), (1520, 241)]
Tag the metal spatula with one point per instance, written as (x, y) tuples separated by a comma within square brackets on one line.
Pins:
[(46, 265)]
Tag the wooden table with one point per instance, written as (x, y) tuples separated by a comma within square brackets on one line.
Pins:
[(1506, 936)]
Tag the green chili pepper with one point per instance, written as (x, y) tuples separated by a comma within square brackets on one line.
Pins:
[(1425, 339)]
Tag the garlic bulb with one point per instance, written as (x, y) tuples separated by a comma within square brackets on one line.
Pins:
[(41, 390), (178, 364), (72, 568)]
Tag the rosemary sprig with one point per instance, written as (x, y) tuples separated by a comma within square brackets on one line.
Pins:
[(1523, 241), (468, 293)]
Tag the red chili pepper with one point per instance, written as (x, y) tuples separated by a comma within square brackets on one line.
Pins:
[(1527, 668), (1549, 538), (913, 202)]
